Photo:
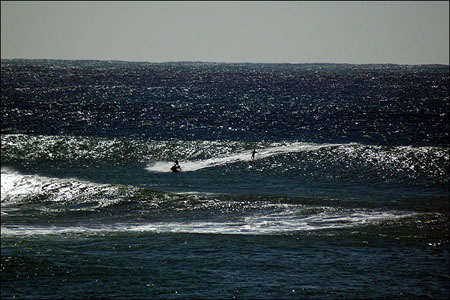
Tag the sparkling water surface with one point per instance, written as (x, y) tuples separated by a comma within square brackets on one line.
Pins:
[(347, 197)]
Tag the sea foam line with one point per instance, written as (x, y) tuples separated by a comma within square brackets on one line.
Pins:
[(258, 224)]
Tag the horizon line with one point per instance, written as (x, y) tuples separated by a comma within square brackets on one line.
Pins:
[(222, 62)]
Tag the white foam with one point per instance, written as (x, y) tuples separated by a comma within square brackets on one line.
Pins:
[(15, 187), (14, 184), (282, 222), (244, 156)]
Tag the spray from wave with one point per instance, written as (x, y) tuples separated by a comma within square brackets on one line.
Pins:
[(243, 156)]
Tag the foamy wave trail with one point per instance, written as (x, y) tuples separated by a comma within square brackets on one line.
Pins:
[(277, 220), (242, 156), (288, 221)]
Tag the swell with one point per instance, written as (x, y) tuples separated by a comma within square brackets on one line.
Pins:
[(425, 165)]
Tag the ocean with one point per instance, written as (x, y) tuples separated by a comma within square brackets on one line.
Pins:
[(347, 196)]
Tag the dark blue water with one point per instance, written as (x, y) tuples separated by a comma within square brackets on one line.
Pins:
[(347, 197)]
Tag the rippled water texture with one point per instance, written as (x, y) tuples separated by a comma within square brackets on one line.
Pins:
[(386, 104), (347, 196)]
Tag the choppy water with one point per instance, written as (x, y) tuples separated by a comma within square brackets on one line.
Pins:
[(348, 195)]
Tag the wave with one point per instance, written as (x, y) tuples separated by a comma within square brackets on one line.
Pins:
[(57, 194), (40, 205), (426, 166), (28, 151), (242, 156)]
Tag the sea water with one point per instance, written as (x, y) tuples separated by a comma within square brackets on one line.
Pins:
[(347, 195)]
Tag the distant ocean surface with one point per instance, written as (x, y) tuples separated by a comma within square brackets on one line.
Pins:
[(347, 196)]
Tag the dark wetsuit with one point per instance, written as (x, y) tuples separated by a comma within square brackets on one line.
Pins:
[(176, 167), (253, 154)]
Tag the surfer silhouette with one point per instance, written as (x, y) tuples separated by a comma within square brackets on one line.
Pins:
[(253, 154), (176, 167)]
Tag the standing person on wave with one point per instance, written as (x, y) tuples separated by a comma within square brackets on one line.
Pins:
[(253, 154)]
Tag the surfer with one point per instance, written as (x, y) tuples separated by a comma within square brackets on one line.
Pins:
[(253, 154), (176, 167)]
